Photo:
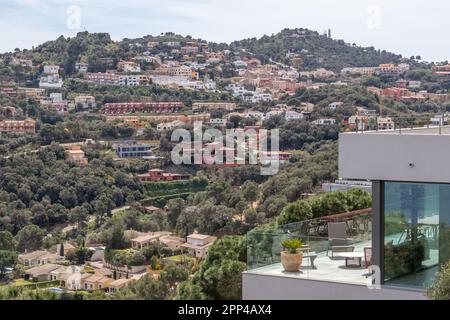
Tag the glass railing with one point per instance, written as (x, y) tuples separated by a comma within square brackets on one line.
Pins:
[(325, 258)]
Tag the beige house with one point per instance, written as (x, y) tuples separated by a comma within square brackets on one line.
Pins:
[(91, 282), (143, 241), (198, 244), (119, 284), (39, 257), (43, 272), (66, 246)]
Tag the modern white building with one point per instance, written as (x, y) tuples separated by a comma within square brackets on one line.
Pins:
[(410, 224)]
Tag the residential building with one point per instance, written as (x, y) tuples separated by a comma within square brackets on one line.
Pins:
[(365, 71), (198, 244), (153, 107), (8, 111), (160, 175), (85, 102), (180, 71), (293, 115), (129, 67), (81, 67), (21, 62), (76, 155), (410, 183), (319, 73), (18, 126), (144, 240), (345, 185), (439, 120), (132, 149), (218, 122), (324, 121), (228, 106), (43, 272), (34, 93), (358, 122), (409, 224), (441, 69), (137, 121), (91, 282), (67, 247), (168, 126), (50, 69), (414, 84), (335, 105), (103, 78), (119, 284), (39, 257), (385, 123), (50, 81)]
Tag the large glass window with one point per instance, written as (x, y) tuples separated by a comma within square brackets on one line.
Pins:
[(416, 232)]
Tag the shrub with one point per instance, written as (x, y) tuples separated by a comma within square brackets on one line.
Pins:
[(440, 288)]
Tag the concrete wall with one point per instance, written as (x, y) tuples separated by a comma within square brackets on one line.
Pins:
[(262, 287), (381, 156)]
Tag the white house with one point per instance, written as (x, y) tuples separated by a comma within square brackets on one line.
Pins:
[(324, 121), (334, 105), (48, 69), (293, 115), (198, 244)]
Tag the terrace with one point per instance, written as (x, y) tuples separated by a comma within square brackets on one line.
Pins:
[(318, 235)]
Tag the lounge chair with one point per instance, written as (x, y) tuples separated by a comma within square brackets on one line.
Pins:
[(337, 238)]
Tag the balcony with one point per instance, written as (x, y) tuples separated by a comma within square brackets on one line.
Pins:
[(336, 250)]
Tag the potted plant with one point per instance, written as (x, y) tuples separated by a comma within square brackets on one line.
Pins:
[(291, 258)]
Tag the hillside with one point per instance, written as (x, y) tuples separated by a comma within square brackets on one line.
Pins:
[(315, 50)]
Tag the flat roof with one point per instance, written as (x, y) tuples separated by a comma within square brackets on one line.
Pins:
[(430, 130)]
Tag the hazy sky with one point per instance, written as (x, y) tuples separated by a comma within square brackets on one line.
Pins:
[(408, 27)]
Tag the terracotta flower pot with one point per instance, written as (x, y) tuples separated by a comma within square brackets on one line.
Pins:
[(291, 261)]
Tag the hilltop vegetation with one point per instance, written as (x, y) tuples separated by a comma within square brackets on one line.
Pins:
[(315, 50)]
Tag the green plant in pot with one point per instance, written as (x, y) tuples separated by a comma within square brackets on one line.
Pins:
[(291, 258)]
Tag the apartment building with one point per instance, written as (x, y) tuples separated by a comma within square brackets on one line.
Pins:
[(441, 69), (129, 66), (228, 106), (18, 126), (34, 93), (189, 50), (152, 107), (190, 118), (103, 78), (8, 111), (51, 81), (385, 123), (180, 71), (51, 69), (85, 102)]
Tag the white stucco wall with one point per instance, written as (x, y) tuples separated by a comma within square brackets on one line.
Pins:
[(375, 156)]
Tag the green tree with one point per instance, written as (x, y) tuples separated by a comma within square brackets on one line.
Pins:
[(30, 238), (7, 241), (8, 259)]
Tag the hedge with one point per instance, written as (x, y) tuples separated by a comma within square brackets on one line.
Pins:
[(42, 284)]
